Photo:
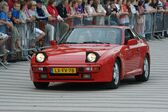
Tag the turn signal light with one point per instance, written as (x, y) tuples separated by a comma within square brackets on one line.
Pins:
[(89, 69), (39, 69)]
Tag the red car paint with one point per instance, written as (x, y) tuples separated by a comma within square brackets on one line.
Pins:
[(74, 55)]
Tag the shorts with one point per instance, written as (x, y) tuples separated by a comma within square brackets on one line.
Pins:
[(38, 32), (3, 35)]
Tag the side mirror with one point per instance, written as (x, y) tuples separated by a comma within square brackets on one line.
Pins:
[(132, 42), (53, 43)]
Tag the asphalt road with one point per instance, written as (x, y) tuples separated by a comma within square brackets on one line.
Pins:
[(18, 94)]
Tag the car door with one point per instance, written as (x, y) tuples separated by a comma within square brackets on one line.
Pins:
[(141, 49), (131, 53)]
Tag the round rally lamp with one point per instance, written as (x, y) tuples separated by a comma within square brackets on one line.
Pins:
[(40, 57)]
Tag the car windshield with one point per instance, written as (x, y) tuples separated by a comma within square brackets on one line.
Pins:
[(92, 36)]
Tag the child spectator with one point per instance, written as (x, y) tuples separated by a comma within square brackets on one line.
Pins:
[(4, 23), (14, 34), (17, 21), (16, 13)]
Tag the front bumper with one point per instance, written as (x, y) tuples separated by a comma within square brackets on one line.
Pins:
[(103, 74)]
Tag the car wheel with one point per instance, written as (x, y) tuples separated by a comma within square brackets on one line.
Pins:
[(41, 85), (146, 71), (116, 76)]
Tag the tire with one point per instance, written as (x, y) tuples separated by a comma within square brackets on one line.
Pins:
[(146, 71), (41, 85), (116, 76)]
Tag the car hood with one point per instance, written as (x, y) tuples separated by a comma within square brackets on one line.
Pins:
[(75, 54)]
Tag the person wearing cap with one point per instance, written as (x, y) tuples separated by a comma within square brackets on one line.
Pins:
[(42, 14)]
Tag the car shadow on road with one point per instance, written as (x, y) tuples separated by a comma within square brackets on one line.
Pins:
[(90, 86)]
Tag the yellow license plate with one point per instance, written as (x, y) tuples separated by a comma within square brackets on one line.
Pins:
[(63, 70)]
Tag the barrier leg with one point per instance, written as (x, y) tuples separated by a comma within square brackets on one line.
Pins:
[(3, 64)]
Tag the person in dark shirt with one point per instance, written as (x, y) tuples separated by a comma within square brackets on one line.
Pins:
[(42, 14), (62, 11)]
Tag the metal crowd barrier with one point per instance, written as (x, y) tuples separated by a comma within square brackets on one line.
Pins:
[(148, 24), (158, 24), (154, 23), (1, 63), (165, 23)]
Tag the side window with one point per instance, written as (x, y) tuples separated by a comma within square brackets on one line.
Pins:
[(128, 35)]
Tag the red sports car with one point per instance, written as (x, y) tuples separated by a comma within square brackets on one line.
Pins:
[(92, 54)]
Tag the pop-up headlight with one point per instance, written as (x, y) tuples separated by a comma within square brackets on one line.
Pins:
[(41, 57), (92, 56)]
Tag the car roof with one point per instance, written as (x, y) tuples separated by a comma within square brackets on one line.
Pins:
[(102, 26)]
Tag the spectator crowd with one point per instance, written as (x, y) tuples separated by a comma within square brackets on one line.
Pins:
[(31, 23)]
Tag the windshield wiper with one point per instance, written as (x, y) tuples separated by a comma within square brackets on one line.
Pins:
[(95, 42), (69, 43)]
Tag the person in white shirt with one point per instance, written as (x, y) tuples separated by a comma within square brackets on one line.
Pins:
[(91, 13), (101, 12)]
